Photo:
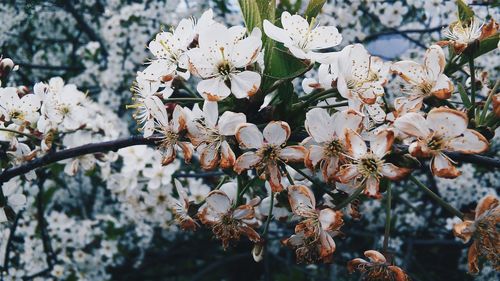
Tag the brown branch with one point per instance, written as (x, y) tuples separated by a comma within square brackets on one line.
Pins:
[(53, 157)]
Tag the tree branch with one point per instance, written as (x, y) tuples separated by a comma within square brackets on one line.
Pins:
[(75, 152)]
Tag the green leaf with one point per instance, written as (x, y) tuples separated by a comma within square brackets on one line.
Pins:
[(465, 13), (256, 11), (313, 9), (464, 96), (251, 14), (282, 65)]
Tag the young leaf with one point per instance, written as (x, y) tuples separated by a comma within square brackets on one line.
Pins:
[(313, 9), (464, 96), (283, 65), (465, 13)]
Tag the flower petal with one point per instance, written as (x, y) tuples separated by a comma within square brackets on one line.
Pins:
[(313, 156), (443, 168), (393, 172), (413, 124), (372, 187), (211, 113), (382, 143), (249, 136), (443, 87), (302, 201), (245, 84), (355, 145), (347, 172), (375, 256), (293, 153), (410, 71), (489, 202), (229, 122), (319, 125), (276, 132), (218, 201), (209, 157), (434, 61), (330, 220), (273, 176), (246, 161), (329, 168), (470, 142), (449, 123), (213, 89), (227, 156)]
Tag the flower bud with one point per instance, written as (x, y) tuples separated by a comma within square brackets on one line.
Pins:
[(496, 105), (258, 252)]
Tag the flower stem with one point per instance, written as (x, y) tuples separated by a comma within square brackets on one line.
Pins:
[(185, 99), (269, 215), (351, 198), (313, 180), (338, 104), (488, 101), (19, 133), (221, 182), (438, 199), (387, 218), (290, 179), (473, 83)]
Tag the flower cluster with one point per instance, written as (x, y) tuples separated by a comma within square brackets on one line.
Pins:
[(309, 159)]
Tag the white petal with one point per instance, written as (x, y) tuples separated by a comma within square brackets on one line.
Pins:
[(245, 84), (347, 119), (382, 143), (410, 71), (249, 136), (327, 218), (276, 33), (246, 161), (470, 142), (447, 122), (434, 61), (355, 145), (413, 124), (276, 132), (324, 37), (319, 125), (218, 201), (213, 89), (294, 153), (211, 112), (301, 199), (229, 122), (443, 87)]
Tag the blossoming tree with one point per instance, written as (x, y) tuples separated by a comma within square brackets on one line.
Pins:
[(259, 152)]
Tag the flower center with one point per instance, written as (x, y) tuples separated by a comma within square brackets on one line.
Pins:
[(170, 138), (15, 114), (425, 89), (369, 166), (224, 68), (226, 229), (269, 152), (435, 143), (334, 148)]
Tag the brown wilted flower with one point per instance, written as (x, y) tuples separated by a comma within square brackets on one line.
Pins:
[(228, 223), (484, 231), (377, 268), (312, 240)]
